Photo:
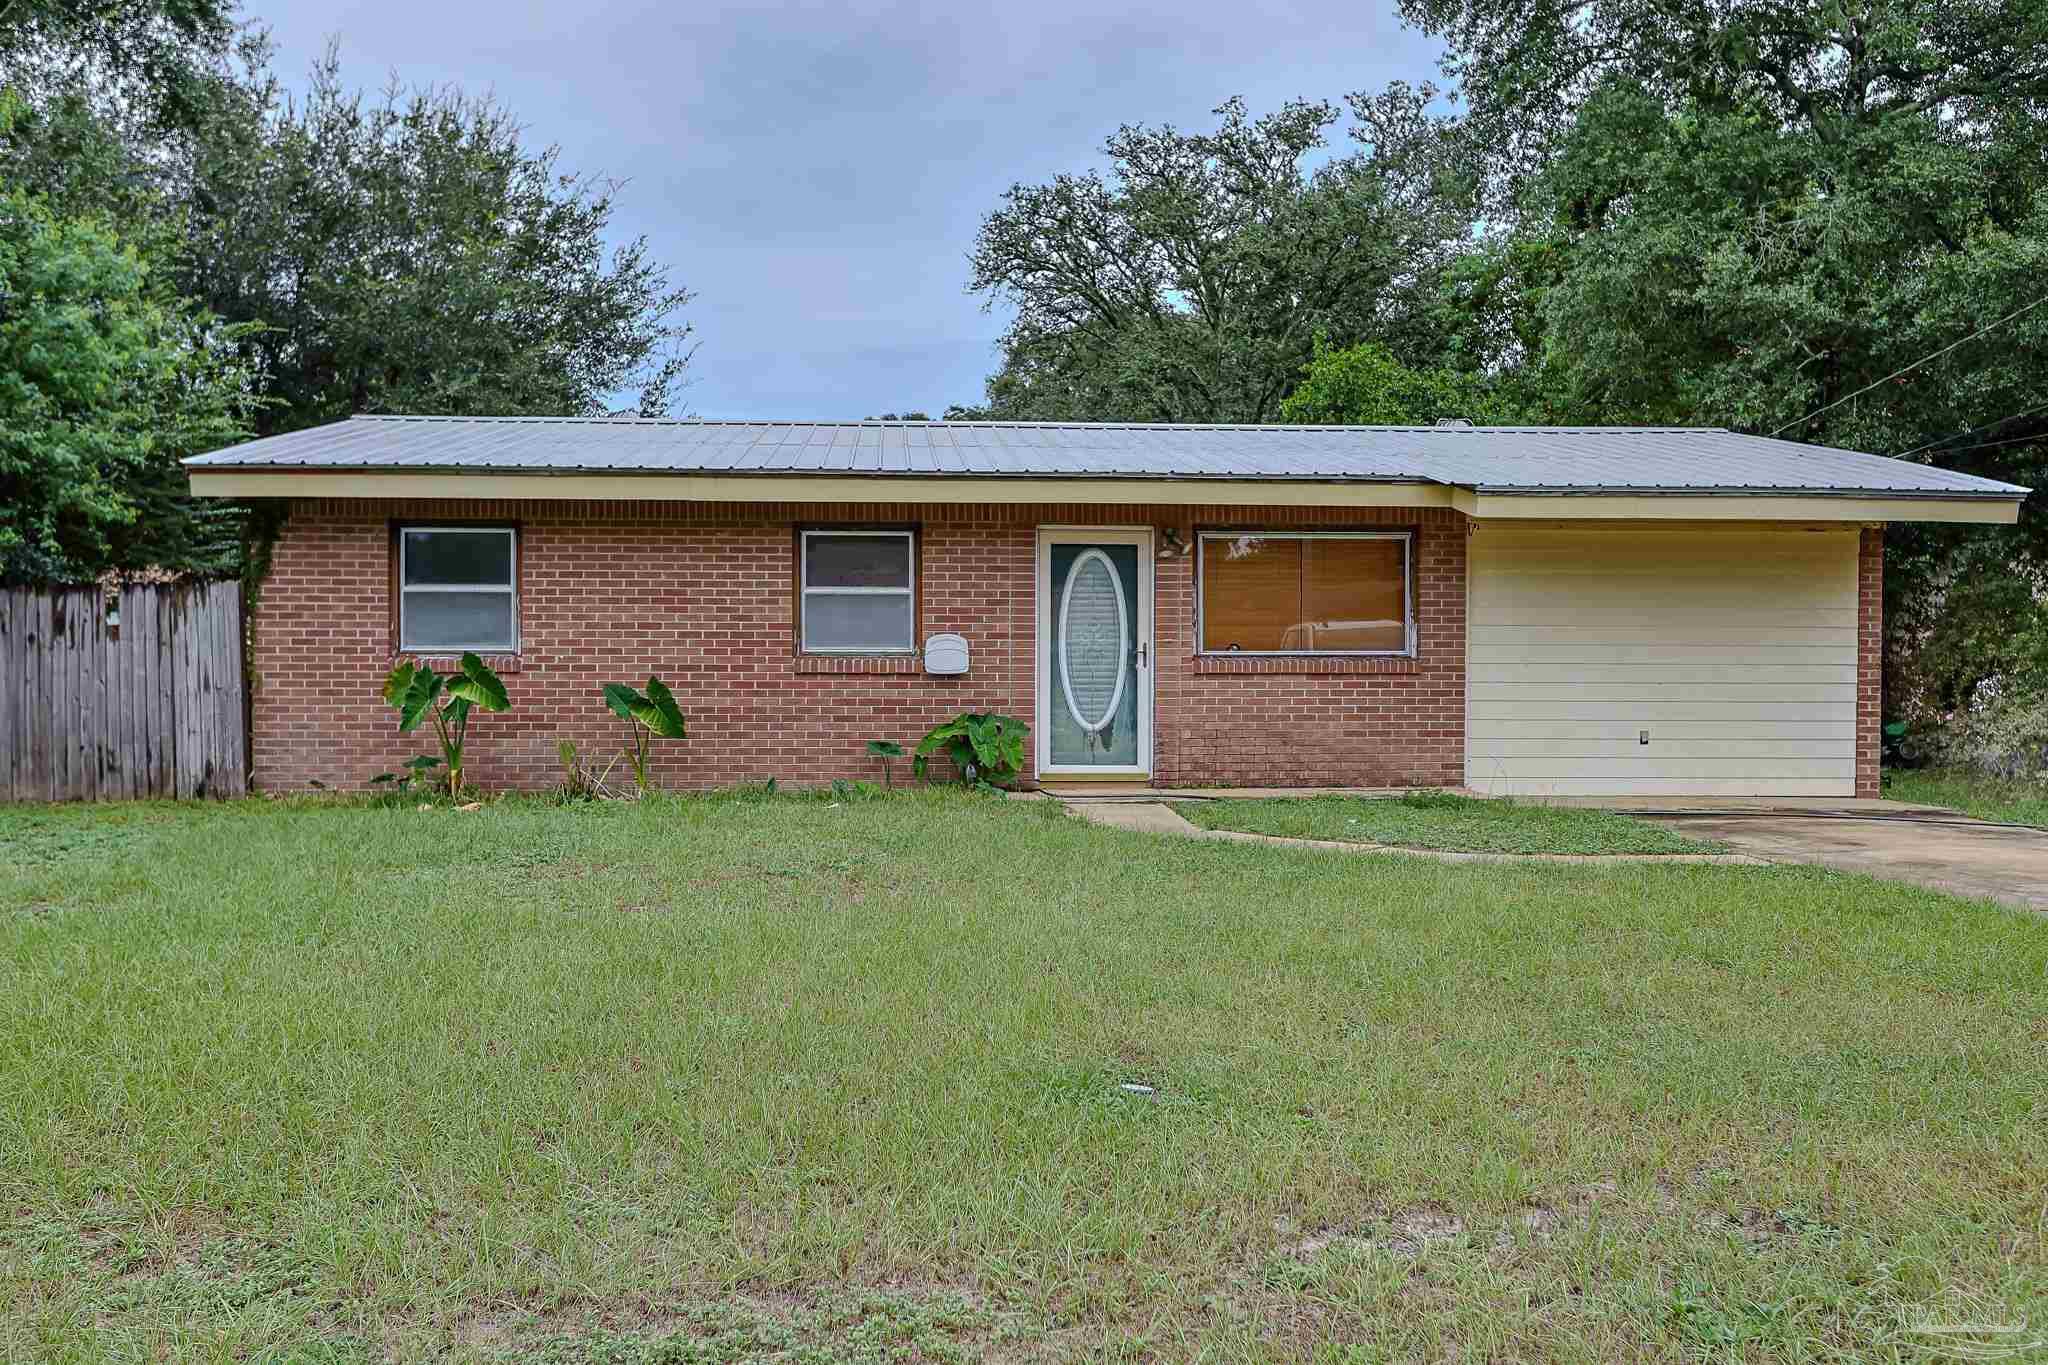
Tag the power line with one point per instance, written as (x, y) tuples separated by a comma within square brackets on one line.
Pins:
[(1981, 426), (1800, 421), (1988, 445)]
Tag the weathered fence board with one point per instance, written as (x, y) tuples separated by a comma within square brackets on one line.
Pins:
[(151, 706)]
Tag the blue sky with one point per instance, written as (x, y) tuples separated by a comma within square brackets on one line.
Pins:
[(816, 172)]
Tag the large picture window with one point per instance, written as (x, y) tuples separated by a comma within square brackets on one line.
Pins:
[(1283, 592), (457, 589), (858, 592)]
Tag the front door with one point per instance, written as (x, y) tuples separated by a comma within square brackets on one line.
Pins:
[(1095, 653)]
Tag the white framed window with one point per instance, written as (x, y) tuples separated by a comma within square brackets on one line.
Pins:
[(1306, 592), (857, 592), (458, 589)]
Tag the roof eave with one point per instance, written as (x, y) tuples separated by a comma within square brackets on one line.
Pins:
[(2002, 493)]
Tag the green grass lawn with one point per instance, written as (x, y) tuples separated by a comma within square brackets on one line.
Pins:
[(1987, 798), (725, 1079), (1443, 820)]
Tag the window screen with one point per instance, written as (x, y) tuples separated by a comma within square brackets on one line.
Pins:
[(859, 592), (1305, 594), (456, 589)]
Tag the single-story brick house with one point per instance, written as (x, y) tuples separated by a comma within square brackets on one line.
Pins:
[(1538, 611)]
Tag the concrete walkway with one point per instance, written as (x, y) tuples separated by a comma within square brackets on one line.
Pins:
[(1152, 817), (1924, 845)]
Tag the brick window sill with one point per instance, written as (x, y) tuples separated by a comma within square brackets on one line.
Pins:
[(1207, 664), (449, 663), (856, 663)]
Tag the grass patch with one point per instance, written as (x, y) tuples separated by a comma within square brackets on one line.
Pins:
[(1444, 820), (1987, 798), (805, 1079)]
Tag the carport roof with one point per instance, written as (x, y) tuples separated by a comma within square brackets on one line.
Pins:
[(1516, 460)]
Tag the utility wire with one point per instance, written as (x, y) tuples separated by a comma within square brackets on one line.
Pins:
[(1981, 426), (1987, 445), (1799, 421)]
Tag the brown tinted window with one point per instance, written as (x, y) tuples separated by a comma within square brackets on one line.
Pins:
[(1353, 594), (1308, 594), (1251, 592)]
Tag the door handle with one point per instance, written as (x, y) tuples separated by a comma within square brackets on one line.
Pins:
[(1141, 653)]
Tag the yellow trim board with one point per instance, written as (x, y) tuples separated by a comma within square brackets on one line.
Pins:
[(229, 482), (1725, 507)]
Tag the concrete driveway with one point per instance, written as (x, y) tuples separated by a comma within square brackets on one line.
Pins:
[(1923, 844)]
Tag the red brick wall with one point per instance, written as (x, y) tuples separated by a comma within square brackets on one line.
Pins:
[(1869, 661), (702, 594)]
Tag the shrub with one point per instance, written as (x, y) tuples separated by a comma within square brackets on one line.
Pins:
[(647, 715), (985, 747), (420, 693)]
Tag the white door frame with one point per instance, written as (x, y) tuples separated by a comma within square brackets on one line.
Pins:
[(1141, 537)]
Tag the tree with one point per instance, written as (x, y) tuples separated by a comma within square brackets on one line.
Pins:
[(159, 61), (1190, 282), (409, 254), (107, 380), (1366, 385), (1525, 67)]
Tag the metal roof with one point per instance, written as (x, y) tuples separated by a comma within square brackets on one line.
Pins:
[(1681, 460)]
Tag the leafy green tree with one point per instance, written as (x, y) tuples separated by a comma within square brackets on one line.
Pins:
[(1189, 283), (107, 380), (1366, 385), (160, 62), (1831, 69), (408, 253)]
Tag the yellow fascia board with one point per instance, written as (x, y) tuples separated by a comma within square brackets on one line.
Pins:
[(1724, 507), (229, 482)]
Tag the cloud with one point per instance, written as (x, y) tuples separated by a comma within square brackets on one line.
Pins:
[(816, 172)]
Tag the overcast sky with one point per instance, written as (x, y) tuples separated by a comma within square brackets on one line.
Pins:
[(815, 173)]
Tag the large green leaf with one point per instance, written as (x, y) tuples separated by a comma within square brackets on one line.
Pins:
[(399, 682), (658, 711), (1010, 733), (621, 698), (885, 748), (418, 700), (941, 734), (987, 741), (476, 683)]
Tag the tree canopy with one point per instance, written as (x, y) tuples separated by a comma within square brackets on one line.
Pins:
[(408, 253), (107, 378), (191, 256), (1190, 281)]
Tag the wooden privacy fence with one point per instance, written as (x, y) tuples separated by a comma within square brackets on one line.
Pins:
[(137, 693)]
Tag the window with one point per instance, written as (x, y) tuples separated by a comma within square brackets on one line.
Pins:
[(858, 592), (456, 589), (1295, 593)]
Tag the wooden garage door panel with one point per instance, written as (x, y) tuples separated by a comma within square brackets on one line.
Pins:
[(1735, 649)]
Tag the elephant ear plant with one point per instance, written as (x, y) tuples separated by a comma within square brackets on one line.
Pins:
[(886, 751), (420, 694), (647, 714), (985, 747)]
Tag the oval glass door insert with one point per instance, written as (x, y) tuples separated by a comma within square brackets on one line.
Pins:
[(1094, 640)]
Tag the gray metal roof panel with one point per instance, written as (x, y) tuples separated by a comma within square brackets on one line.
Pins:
[(1547, 460)]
